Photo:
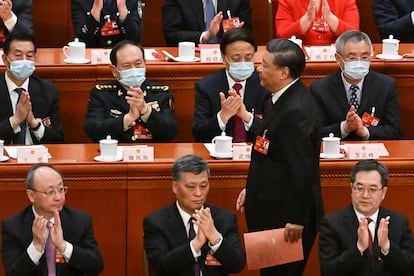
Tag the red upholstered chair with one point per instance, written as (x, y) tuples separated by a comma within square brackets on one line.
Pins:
[(272, 8)]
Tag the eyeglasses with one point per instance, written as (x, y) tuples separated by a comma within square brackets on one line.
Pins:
[(355, 58), (50, 192), (359, 190)]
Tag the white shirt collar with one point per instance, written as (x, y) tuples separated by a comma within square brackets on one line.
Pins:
[(278, 94)]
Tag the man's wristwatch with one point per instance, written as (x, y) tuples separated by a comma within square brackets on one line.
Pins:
[(39, 123), (219, 238)]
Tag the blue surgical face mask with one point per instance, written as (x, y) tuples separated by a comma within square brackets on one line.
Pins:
[(132, 77), (356, 70), (22, 69), (241, 70)]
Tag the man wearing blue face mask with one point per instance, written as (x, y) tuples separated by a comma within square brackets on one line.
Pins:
[(356, 103), (130, 108), (29, 105), (231, 100)]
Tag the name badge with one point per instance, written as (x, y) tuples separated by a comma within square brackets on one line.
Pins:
[(100, 56), (33, 155), (139, 154), (369, 120), (261, 145), (141, 132), (210, 53), (110, 28), (211, 261)]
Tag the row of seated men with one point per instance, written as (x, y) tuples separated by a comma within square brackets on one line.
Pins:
[(355, 103), (192, 237), (103, 23)]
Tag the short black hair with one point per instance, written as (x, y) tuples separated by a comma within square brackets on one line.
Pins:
[(33, 169), (189, 163), (121, 44), (237, 34), (20, 36), (370, 165), (287, 54)]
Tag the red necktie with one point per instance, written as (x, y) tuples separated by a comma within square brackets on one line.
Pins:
[(268, 106), (50, 251), (369, 236), (191, 236), (239, 133)]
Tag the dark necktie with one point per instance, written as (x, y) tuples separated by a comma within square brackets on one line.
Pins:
[(268, 106), (353, 100), (210, 12), (239, 133), (50, 251), (21, 136), (191, 236), (369, 236)]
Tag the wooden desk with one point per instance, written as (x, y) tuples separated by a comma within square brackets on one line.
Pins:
[(119, 195), (76, 81)]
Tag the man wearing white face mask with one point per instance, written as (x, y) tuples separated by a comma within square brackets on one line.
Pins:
[(231, 100), (356, 103), (29, 105), (130, 108)]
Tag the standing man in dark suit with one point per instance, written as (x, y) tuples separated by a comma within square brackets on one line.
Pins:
[(103, 23), (189, 236), (394, 17), (28, 235), (29, 106), (364, 238), (15, 16), (354, 102), (283, 185), (217, 105), (189, 20), (131, 107)]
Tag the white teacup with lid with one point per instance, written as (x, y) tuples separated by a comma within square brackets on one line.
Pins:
[(108, 148), (331, 146), (76, 51), (222, 145), (390, 47), (298, 41)]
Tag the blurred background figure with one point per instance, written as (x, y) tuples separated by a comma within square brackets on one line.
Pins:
[(395, 17), (200, 21), (16, 16), (316, 22), (102, 23)]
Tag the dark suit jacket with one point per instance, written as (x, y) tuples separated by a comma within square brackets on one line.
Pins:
[(23, 11), (77, 230), (394, 17), (183, 20), (108, 106), (284, 185), (168, 248), (207, 105), (378, 90), (88, 30), (339, 254), (45, 104)]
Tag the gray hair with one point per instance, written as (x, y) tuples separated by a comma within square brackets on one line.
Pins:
[(354, 36), (33, 169), (189, 163)]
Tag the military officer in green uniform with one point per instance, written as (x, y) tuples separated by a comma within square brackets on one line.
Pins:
[(130, 108)]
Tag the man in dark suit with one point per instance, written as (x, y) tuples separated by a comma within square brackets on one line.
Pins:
[(394, 17), (364, 238), (217, 105), (15, 16), (47, 226), (29, 106), (103, 23), (283, 185), (130, 107), (190, 236), (356, 103), (185, 20)]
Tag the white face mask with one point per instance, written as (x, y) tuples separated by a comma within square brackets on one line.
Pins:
[(355, 70), (132, 77)]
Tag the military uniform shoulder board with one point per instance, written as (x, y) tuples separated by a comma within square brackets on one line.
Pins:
[(106, 86)]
